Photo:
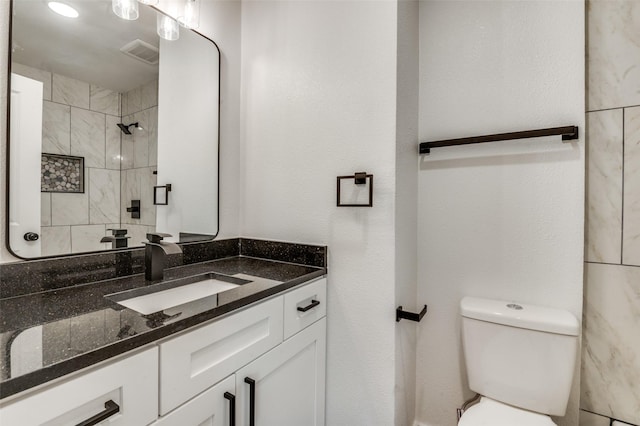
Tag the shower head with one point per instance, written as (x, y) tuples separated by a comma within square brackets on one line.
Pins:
[(125, 127)]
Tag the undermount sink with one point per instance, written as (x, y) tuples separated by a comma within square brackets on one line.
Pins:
[(158, 297)]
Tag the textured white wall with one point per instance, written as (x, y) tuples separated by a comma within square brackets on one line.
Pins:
[(501, 220), (319, 101), (406, 250)]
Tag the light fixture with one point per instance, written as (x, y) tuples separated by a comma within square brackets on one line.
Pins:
[(63, 9), (190, 17), (125, 9), (149, 2), (167, 27)]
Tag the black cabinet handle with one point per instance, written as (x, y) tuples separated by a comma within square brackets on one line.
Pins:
[(232, 408), (252, 400), (110, 408), (311, 305)]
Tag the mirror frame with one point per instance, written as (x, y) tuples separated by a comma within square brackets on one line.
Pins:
[(7, 187)]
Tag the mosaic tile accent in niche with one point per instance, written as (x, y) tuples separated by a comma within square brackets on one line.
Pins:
[(62, 173)]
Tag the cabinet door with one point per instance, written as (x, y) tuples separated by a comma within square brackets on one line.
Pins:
[(128, 389), (214, 407), (288, 384)]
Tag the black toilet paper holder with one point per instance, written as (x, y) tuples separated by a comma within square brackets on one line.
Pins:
[(412, 316)]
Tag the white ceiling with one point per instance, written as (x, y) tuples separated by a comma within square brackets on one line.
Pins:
[(86, 48)]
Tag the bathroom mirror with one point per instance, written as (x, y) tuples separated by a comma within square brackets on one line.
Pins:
[(113, 131)]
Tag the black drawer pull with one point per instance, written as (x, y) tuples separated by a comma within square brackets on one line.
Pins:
[(232, 408), (110, 408), (311, 305), (252, 400)]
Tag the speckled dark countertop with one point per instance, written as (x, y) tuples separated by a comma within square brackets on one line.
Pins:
[(48, 334)]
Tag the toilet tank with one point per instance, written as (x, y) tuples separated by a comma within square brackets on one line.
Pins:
[(519, 354)]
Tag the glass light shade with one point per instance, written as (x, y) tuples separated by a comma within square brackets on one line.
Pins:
[(125, 9), (190, 16), (149, 2), (167, 27)]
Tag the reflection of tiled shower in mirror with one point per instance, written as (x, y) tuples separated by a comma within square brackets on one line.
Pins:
[(139, 159), (81, 120)]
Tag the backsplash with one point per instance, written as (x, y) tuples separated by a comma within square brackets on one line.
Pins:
[(610, 385), (34, 276)]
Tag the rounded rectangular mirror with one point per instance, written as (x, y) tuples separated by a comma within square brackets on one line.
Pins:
[(113, 130)]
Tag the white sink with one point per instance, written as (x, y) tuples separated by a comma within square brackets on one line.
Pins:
[(175, 293)]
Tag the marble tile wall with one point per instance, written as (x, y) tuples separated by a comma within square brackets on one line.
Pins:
[(139, 158), (610, 388), (79, 119)]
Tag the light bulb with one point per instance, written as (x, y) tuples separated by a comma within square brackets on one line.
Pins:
[(167, 27), (63, 9), (190, 17), (125, 9)]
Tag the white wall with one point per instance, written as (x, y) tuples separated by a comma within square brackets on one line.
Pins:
[(406, 250), (502, 220), (319, 101), (220, 21)]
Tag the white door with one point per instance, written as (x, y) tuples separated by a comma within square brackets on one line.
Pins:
[(288, 382), (25, 155)]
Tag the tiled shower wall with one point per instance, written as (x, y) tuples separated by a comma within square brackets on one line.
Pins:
[(79, 119), (140, 159), (611, 336)]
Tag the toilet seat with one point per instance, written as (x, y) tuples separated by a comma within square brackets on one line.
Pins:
[(489, 412)]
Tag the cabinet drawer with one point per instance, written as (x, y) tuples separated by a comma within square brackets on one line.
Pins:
[(210, 408), (131, 383), (313, 298), (192, 362)]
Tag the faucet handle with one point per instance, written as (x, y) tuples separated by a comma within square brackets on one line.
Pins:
[(156, 237)]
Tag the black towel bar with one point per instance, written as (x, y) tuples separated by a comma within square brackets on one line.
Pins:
[(567, 132)]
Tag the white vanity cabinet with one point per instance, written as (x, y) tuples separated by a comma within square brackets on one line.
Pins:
[(288, 374), (214, 407), (202, 376), (131, 385), (285, 386), (197, 359)]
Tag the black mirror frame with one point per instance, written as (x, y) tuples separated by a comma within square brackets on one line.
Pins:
[(8, 148)]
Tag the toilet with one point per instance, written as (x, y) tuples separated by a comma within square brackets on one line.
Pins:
[(520, 358)]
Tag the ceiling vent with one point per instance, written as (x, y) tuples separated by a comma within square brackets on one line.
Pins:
[(142, 51)]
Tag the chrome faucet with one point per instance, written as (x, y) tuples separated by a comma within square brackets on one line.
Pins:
[(155, 253)]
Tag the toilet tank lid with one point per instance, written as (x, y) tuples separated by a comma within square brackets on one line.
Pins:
[(520, 315)]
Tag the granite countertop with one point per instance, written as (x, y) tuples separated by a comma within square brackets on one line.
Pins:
[(49, 334)]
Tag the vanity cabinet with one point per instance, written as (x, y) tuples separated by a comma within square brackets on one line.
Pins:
[(129, 385), (214, 407), (193, 361), (265, 362), (285, 386)]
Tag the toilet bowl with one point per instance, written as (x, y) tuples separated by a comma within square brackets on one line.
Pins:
[(488, 412), (520, 358)]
